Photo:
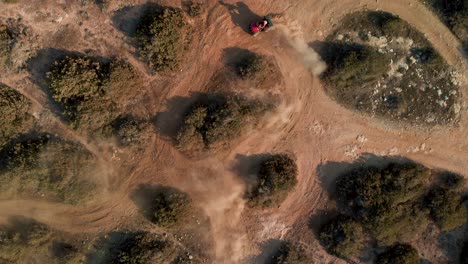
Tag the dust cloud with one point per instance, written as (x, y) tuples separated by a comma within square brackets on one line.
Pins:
[(295, 36), (219, 193)]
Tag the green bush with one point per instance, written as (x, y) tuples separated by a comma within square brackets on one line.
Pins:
[(342, 237), (40, 166), (5, 45), (15, 117), (218, 118), (447, 208), (399, 254), (168, 207), (162, 34), (90, 91), (276, 178), (288, 253)]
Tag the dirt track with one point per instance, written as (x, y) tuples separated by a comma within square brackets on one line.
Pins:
[(309, 124)]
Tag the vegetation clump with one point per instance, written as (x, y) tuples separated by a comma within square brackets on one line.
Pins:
[(356, 65), (380, 65), (343, 237), (5, 45), (399, 254), (89, 90), (41, 166), (129, 130), (259, 69), (386, 200), (192, 8), (21, 236), (393, 204), (276, 177), (163, 35), (218, 118), (446, 207), (167, 207), (15, 117)]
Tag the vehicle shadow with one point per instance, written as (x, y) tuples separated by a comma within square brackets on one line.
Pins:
[(241, 15)]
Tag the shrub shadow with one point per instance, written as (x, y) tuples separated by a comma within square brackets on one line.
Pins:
[(168, 123), (241, 14), (268, 249), (233, 56), (247, 167), (106, 247), (333, 52), (451, 243), (319, 218), (61, 250), (127, 18)]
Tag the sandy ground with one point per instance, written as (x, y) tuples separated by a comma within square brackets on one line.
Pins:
[(318, 131)]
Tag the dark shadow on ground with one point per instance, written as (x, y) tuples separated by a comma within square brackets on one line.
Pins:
[(61, 250), (234, 56), (145, 195), (269, 250), (168, 123), (247, 167), (333, 52), (319, 218), (241, 15), (127, 18), (451, 243), (108, 248)]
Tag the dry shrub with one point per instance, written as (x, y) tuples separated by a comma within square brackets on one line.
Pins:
[(90, 91), (162, 33), (40, 166), (15, 117), (261, 70), (447, 208), (19, 237), (5, 45), (386, 200), (276, 178), (343, 237), (218, 118)]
